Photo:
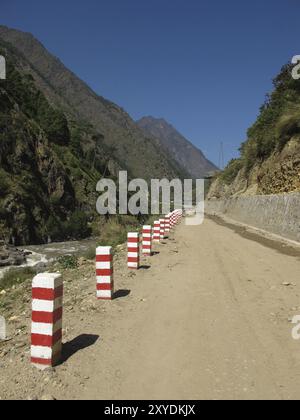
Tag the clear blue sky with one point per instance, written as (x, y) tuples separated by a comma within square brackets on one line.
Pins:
[(203, 65)]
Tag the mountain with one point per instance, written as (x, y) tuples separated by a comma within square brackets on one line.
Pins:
[(129, 146), (57, 140), (48, 166), (269, 161), (179, 148)]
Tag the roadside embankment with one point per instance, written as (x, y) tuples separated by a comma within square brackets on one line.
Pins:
[(278, 214)]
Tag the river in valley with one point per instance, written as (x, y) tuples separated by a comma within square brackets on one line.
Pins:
[(49, 252)]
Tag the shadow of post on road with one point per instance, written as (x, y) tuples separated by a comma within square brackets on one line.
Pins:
[(120, 294), (79, 343)]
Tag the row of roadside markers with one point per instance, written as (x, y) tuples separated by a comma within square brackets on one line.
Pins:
[(47, 290)]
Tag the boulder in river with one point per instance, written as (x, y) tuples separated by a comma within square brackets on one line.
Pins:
[(11, 256)]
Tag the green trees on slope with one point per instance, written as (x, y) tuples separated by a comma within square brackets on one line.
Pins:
[(277, 123), (48, 173)]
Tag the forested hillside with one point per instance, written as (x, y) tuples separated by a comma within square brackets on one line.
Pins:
[(134, 151), (48, 166), (58, 138), (269, 159)]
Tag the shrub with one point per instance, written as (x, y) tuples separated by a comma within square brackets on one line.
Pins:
[(287, 127), (16, 276), (112, 234), (54, 229), (53, 122), (89, 254), (277, 122), (249, 154), (231, 170), (77, 226), (4, 183), (75, 143), (68, 262)]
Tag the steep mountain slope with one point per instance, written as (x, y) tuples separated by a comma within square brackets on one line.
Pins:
[(129, 146), (180, 149), (270, 157), (49, 167), (57, 140)]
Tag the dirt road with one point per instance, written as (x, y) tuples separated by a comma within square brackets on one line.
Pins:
[(207, 317)]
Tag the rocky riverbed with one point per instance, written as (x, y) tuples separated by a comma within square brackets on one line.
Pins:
[(35, 255), (11, 256)]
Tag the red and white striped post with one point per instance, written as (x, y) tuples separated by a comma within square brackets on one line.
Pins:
[(162, 228), (167, 223), (172, 222), (180, 213), (46, 327), (147, 240), (104, 273), (133, 240), (175, 217), (156, 231)]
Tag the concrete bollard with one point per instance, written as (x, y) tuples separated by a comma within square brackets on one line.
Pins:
[(162, 228), (177, 216), (147, 240), (167, 223), (180, 215), (104, 273), (156, 231), (46, 327), (133, 241), (172, 220)]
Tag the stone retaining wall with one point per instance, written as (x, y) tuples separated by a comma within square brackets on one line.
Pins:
[(279, 214)]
